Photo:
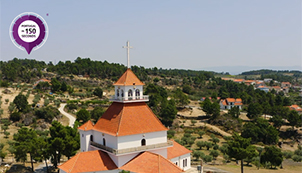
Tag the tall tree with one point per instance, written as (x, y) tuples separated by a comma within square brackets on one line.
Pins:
[(273, 155), (83, 116), (26, 142), (254, 110), (55, 85), (240, 148), (98, 92), (21, 103)]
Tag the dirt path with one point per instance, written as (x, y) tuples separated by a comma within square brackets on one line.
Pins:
[(70, 117), (209, 126)]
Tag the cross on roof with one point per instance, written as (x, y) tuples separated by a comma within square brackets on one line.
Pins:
[(128, 47)]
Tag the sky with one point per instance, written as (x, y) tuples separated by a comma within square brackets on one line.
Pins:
[(186, 34)]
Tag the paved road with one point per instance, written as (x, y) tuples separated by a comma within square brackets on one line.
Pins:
[(70, 117)]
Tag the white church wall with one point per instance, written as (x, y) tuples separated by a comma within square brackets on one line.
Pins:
[(121, 160), (163, 152), (84, 140), (111, 141), (130, 141)]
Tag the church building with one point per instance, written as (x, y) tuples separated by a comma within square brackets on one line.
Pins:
[(128, 137)]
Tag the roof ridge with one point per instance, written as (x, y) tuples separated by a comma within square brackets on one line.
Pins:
[(169, 161), (158, 163), (74, 162), (155, 116), (119, 124)]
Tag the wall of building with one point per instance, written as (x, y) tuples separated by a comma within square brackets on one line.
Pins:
[(121, 160), (179, 160), (126, 89), (111, 141), (130, 141), (85, 140)]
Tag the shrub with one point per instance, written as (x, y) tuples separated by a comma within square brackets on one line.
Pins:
[(16, 116)]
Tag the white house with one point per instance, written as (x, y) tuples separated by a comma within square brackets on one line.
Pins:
[(229, 103), (127, 136)]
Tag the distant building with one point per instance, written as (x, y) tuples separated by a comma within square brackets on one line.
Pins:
[(238, 80), (250, 82), (229, 103), (203, 98), (296, 108), (263, 88), (267, 80), (286, 84)]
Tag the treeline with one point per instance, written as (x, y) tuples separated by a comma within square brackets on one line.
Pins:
[(280, 75), (266, 71), (25, 69)]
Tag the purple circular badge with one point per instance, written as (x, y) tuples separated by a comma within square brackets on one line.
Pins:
[(28, 31)]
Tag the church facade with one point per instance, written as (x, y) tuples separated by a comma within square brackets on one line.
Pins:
[(128, 137)]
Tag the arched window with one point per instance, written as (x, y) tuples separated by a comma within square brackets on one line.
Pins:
[(118, 92), (130, 94), (91, 138), (137, 93), (143, 142), (122, 93), (104, 142)]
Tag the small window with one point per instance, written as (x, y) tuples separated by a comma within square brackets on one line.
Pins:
[(91, 138), (143, 142), (130, 94), (104, 142), (175, 163), (82, 135)]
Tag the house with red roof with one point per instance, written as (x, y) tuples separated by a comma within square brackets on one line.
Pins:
[(128, 136), (229, 103), (296, 108), (286, 84)]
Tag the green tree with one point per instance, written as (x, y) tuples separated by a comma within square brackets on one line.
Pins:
[(64, 87), (181, 98), (2, 153), (96, 113), (198, 154), (294, 119), (207, 106), (234, 111), (168, 113), (83, 116), (98, 92), (239, 148), (214, 154), (25, 142), (207, 158), (21, 103), (273, 155), (201, 144), (55, 85), (201, 133), (254, 110)]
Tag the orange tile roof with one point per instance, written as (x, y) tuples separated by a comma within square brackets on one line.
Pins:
[(230, 99), (285, 83), (249, 81), (237, 104), (122, 119), (238, 100), (128, 78), (224, 102), (238, 80), (86, 126), (176, 150), (147, 162), (277, 87), (89, 161)]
